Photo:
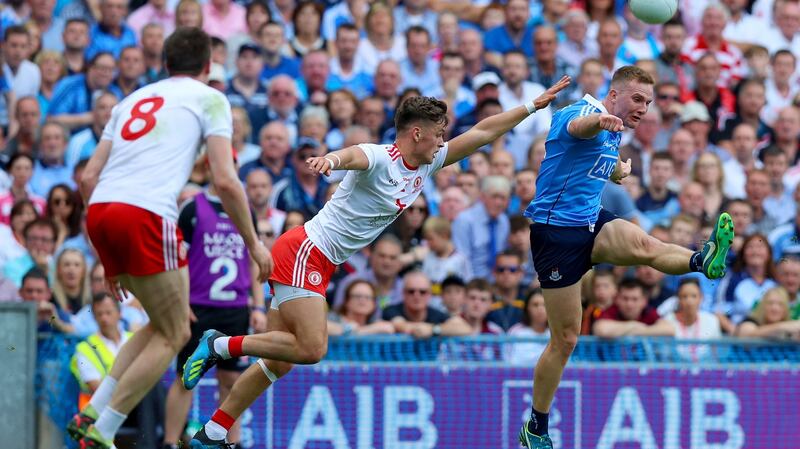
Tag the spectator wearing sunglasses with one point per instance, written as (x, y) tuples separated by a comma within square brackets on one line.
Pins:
[(509, 304)]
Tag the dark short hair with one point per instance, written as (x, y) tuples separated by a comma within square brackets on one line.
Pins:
[(451, 281), (519, 222), (661, 156), (689, 281), (187, 51), (102, 296), (782, 53), (347, 26), (479, 284), (257, 4), (36, 273), (420, 109), (772, 151), (418, 29), (632, 284), (80, 20), (628, 73), (19, 205), (16, 29), (41, 222), (302, 4)]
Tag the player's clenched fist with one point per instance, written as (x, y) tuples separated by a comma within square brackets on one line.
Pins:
[(622, 170), (611, 123), (320, 165)]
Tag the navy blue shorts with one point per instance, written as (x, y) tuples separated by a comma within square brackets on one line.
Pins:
[(563, 254)]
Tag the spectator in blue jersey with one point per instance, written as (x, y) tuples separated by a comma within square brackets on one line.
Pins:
[(275, 147), (130, 76), (35, 288), (658, 203), (509, 292), (22, 75), (50, 26), (53, 68), (76, 40), (81, 145), (419, 69), (451, 89), (314, 71), (752, 274), (73, 96), (780, 202), (272, 40), (39, 238), (305, 191), (481, 232), (111, 34), (415, 13), (245, 90), (50, 167), (387, 87), (470, 46), (346, 12), (785, 239), (639, 43), (515, 34), (548, 67), (346, 71)]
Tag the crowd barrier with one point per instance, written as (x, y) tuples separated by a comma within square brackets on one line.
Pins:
[(398, 393)]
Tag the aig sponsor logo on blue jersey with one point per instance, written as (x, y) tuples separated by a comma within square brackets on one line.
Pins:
[(603, 167)]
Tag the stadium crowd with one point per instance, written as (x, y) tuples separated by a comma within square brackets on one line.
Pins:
[(308, 77)]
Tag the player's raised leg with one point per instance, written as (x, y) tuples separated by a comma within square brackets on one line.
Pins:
[(564, 313), (249, 386), (620, 242)]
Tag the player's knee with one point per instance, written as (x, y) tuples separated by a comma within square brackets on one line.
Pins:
[(312, 354), (564, 341)]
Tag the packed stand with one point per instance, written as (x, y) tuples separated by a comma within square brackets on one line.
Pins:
[(305, 78)]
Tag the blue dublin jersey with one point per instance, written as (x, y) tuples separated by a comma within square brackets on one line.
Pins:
[(574, 171)]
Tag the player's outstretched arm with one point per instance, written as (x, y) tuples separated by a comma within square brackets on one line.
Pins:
[(588, 126), (491, 128), (234, 201), (350, 158), (91, 174)]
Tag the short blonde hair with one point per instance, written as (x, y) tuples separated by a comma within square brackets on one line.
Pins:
[(437, 225), (628, 73)]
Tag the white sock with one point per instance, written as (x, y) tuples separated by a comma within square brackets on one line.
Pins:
[(109, 423), (215, 432), (221, 347), (102, 396)]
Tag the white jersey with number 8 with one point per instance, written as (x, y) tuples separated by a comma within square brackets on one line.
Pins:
[(156, 134)]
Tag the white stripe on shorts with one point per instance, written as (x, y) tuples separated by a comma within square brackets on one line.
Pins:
[(304, 265), (298, 262)]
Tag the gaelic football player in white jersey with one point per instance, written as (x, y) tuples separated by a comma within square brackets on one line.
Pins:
[(131, 183), (382, 180)]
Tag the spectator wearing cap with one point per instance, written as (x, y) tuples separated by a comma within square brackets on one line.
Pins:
[(710, 40), (272, 40), (419, 69), (576, 46), (549, 67), (780, 90), (515, 90), (315, 70), (347, 72), (22, 75), (305, 191), (245, 90), (110, 34), (784, 35), (153, 49), (275, 148), (224, 18), (154, 11), (71, 103), (485, 85), (671, 65), (696, 120), (743, 28), (515, 34), (131, 71), (481, 232)]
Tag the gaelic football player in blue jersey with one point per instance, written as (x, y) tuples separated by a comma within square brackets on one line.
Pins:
[(571, 232)]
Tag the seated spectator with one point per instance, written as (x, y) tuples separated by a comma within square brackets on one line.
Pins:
[(630, 315), (710, 41), (272, 40), (275, 143), (785, 239), (481, 232), (51, 168), (50, 317), (258, 187), (440, 259), (306, 27), (71, 285), (71, 103), (246, 152), (515, 34), (153, 12), (189, 13), (519, 241), (65, 208), (28, 116), (683, 231), (81, 146), (654, 285), (12, 240), (414, 316), (452, 296), (20, 168), (133, 316), (356, 316), (658, 204), (787, 274), (111, 33), (22, 75), (305, 191), (40, 245), (780, 202), (751, 275), (707, 172), (692, 323), (408, 228), (603, 290), (743, 143), (770, 318), (382, 272), (507, 309), (533, 324), (94, 356), (477, 305)]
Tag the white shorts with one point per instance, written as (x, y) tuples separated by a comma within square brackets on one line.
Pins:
[(284, 293)]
